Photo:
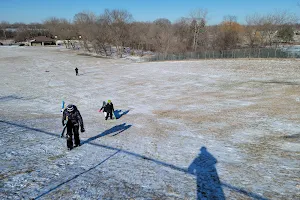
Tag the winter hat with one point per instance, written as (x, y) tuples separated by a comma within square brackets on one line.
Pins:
[(70, 108), (108, 101)]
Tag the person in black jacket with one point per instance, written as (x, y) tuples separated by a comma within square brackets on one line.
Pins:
[(76, 70), (109, 108), (72, 119)]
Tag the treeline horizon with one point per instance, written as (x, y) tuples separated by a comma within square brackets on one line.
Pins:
[(117, 28)]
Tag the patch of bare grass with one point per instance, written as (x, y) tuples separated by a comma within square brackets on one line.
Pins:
[(14, 173)]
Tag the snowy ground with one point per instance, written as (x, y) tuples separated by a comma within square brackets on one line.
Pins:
[(230, 126)]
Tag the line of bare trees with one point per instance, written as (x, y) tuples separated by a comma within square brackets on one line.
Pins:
[(21, 31), (115, 31)]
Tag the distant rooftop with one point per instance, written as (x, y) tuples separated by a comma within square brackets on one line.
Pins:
[(43, 39)]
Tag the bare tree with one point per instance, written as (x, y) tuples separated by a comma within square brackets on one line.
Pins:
[(138, 36), (3, 26), (269, 24), (229, 34), (161, 35), (53, 25), (198, 19), (85, 24), (103, 34), (286, 33), (110, 28), (230, 19), (113, 30), (118, 21), (252, 33), (184, 35), (214, 33), (61, 28)]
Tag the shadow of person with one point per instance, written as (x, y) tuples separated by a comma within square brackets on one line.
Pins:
[(120, 113), (194, 168), (116, 130), (208, 183)]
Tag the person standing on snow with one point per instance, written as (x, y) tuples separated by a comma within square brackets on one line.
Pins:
[(76, 70), (104, 109), (72, 119), (109, 109)]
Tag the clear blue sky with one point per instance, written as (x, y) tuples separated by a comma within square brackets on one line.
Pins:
[(28, 11)]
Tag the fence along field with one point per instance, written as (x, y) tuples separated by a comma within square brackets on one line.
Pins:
[(237, 53)]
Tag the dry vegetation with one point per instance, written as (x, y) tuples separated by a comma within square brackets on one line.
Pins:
[(116, 32)]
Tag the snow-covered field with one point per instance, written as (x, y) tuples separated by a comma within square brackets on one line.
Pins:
[(208, 129)]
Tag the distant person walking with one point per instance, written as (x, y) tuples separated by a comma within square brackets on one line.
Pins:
[(76, 70)]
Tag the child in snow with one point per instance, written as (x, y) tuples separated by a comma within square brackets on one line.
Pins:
[(110, 109), (72, 119), (104, 109)]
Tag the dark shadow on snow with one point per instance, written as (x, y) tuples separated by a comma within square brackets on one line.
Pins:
[(277, 82), (116, 130), (9, 98), (120, 113), (77, 175), (29, 128), (118, 150), (208, 182)]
